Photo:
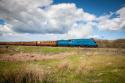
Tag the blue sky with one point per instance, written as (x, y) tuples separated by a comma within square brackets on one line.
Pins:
[(2, 22), (61, 19), (97, 7)]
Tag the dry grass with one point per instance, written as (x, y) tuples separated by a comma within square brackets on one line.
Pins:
[(27, 74), (93, 69), (65, 65), (81, 65), (20, 76)]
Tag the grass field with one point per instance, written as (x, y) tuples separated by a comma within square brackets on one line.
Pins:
[(30, 64)]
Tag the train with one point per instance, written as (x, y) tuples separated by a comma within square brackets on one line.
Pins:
[(59, 43)]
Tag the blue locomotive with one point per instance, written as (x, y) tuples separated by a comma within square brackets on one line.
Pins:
[(77, 43)]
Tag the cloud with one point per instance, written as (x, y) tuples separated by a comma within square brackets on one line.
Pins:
[(25, 15), (6, 30), (29, 16), (80, 31), (95, 36), (42, 17), (110, 22)]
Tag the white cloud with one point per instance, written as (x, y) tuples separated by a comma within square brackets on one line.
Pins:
[(62, 17), (43, 17), (53, 19), (95, 36), (110, 22), (6, 29), (80, 31), (23, 15)]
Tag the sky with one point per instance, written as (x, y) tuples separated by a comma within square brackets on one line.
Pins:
[(34, 20)]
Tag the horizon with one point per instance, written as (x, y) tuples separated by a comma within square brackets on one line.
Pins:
[(67, 39), (43, 20)]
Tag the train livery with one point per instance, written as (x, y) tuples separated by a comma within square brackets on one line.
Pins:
[(77, 42), (62, 43)]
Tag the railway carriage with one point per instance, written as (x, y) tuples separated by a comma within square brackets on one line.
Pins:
[(46, 43)]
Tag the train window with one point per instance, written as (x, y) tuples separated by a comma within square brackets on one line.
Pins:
[(38, 42)]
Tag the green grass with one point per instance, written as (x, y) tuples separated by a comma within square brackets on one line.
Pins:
[(32, 49), (84, 66), (99, 69)]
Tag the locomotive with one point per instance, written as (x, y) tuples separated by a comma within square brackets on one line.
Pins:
[(77, 43), (63, 43)]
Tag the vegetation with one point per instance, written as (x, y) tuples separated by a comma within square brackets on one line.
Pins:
[(63, 65), (31, 49), (120, 43)]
